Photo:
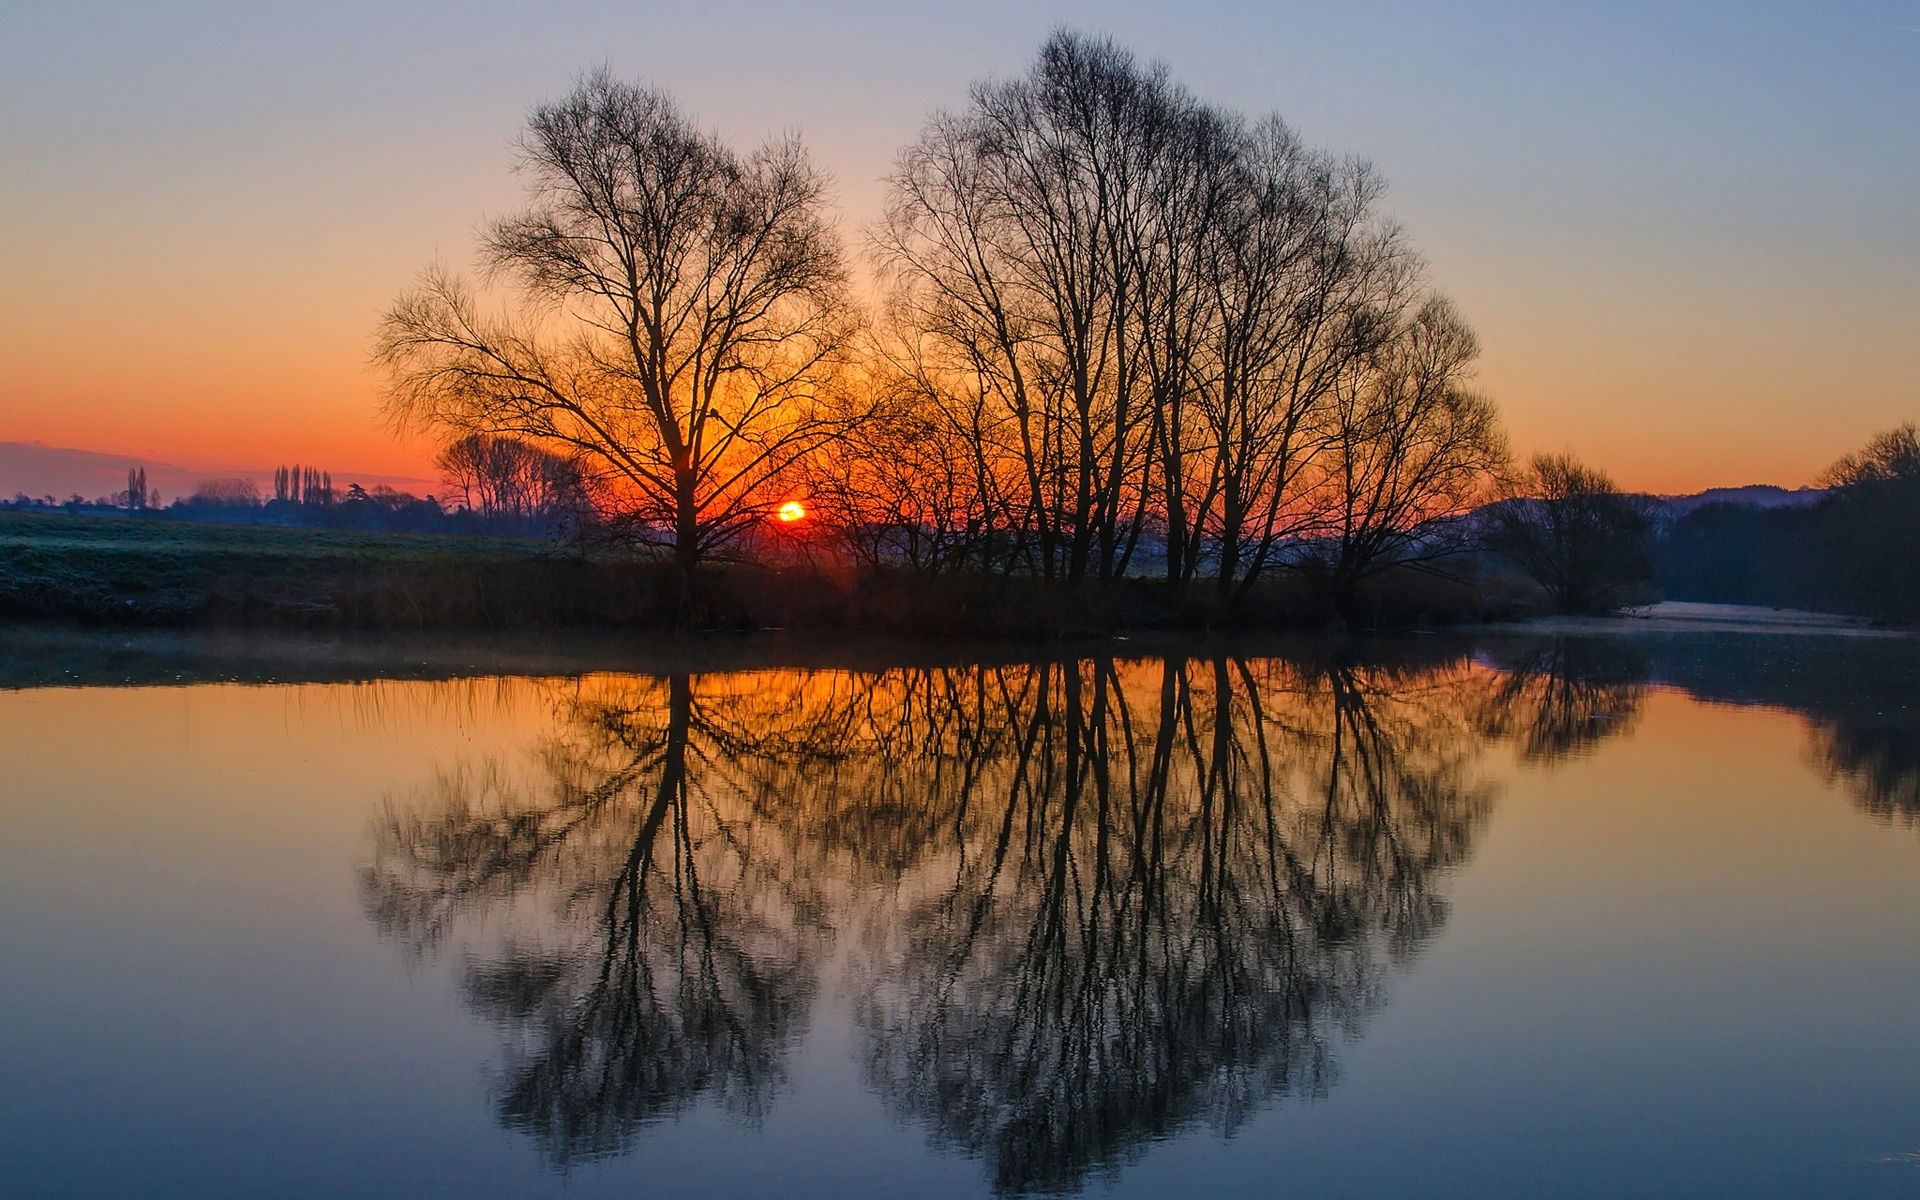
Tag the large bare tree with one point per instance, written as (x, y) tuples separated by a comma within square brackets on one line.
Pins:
[(680, 326)]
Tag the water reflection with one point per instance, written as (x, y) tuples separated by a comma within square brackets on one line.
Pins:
[(1084, 904), (1160, 902), (677, 962), (1858, 696), (1878, 764), (1559, 698)]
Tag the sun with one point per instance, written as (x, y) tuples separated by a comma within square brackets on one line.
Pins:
[(792, 511)]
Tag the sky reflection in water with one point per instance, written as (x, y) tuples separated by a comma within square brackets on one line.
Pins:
[(1587, 916)]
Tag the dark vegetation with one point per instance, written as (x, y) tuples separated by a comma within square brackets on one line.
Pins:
[(1589, 547), (1856, 550)]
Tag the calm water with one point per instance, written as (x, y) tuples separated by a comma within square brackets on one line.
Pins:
[(1510, 918)]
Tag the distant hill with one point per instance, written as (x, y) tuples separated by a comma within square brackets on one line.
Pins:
[(1753, 495), (41, 470)]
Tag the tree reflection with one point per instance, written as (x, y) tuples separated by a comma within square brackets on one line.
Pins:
[(1087, 903), (1856, 693), (1878, 763), (1162, 904), (1559, 698), (676, 962)]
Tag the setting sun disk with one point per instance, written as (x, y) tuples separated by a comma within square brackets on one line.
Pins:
[(792, 511)]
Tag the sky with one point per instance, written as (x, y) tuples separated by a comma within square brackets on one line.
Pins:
[(1688, 234)]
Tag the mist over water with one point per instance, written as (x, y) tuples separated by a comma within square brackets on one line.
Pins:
[(1429, 916)]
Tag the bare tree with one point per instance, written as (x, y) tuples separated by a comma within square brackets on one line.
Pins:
[(683, 323), (1572, 531), (1148, 319), (1409, 453)]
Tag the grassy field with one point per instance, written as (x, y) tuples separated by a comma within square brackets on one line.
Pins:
[(161, 572), (165, 573)]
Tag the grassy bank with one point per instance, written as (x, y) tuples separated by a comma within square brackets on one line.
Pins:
[(176, 574)]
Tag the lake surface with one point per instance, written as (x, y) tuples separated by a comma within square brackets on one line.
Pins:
[(1507, 917)]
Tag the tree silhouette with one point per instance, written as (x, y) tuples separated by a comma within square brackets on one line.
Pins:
[(1575, 534), (684, 318)]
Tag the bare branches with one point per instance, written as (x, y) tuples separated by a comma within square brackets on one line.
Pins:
[(1141, 312), (1125, 332), (1572, 531), (682, 320), (1409, 451)]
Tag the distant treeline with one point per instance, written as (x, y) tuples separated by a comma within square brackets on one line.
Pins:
[(1856, 550), (496, 486)]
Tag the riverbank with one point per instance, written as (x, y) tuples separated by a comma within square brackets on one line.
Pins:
[(1686, 616)]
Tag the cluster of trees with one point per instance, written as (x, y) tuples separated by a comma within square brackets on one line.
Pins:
[(1856, 550), (1589, 546), (303, 485), (497, 485), (1140, 323), (1124, 331), (306, 496), (228, 494), (507, 480), (1119, 331), (138, 497)]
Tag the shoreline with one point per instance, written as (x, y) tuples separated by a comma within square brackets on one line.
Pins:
[(1687, 616)]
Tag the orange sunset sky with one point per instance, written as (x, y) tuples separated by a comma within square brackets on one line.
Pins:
[(1688, 235)]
